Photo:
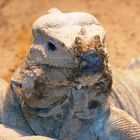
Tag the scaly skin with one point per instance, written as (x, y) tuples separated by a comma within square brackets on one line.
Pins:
[(126, 91), (63, 89)]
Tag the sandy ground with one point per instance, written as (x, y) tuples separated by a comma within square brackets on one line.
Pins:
[(120, 18)]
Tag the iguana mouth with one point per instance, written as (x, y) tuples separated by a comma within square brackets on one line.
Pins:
[(43, 112)]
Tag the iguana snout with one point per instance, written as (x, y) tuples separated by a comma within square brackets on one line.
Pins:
[(91, 56)]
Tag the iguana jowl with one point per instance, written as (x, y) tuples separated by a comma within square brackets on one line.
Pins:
[(63, 88)]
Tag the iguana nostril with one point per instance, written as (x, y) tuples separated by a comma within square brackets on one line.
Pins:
[(93, 104)]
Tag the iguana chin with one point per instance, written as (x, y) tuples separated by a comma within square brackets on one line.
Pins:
[(63, 89)]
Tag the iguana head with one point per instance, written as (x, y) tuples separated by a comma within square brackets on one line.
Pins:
[(58, 37), (67, 67)]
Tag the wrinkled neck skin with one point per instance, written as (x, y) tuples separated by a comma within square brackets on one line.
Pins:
[(68, 120)]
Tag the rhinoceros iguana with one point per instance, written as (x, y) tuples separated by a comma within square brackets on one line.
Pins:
[(63, 89)]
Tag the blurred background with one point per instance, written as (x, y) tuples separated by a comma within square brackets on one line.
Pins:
[(120, 18)]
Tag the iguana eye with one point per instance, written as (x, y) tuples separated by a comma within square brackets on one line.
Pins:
[(51, 46)]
